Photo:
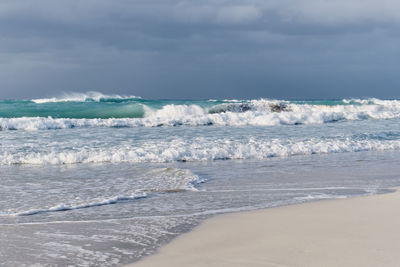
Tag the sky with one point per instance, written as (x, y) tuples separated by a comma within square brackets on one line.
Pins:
[(200, 49)]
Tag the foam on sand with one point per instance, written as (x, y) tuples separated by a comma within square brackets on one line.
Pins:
[(153, 181)]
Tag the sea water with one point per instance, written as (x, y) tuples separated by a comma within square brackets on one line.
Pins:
[(103, 180)]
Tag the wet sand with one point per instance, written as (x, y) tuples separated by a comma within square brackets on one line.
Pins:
[(361, 231)]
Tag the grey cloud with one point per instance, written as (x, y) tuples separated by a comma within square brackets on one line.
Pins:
[(209, 48)]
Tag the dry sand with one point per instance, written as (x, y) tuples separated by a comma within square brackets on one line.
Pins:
[(362, 231)]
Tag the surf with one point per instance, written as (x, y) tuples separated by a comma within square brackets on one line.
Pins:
[(94, 109)]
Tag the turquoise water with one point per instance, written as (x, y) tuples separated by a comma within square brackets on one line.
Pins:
[(99, 180), (105, 107), (89, 109)]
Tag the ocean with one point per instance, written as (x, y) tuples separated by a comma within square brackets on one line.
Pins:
[(103, 180)]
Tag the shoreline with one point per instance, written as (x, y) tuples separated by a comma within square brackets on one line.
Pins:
[(357, 231)]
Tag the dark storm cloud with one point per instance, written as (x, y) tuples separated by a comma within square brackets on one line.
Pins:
[(206, 49)]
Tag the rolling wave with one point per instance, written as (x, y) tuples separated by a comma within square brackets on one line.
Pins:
[(199, 149), (94, 109), (91, 96), (255, 113)]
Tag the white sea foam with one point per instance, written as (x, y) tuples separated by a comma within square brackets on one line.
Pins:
[(40, 123), (65, 207), (151, 181), (256, 113), (80, 97), (199, 149), (319, 196)]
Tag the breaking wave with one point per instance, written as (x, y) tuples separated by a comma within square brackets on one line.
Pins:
[(255, 113), (199, 149), (94, 109), (91, 96)]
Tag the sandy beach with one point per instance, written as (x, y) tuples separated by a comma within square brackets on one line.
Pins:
[(361, 231)]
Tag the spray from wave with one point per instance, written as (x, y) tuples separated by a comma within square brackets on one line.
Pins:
[(91, 96), (94, 109), (250, 113)]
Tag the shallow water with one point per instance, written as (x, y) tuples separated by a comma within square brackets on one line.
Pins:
[(108, 234), (108, 191)]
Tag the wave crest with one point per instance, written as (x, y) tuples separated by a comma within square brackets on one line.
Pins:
[(262, 112), (91, 96), (200, 149)]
